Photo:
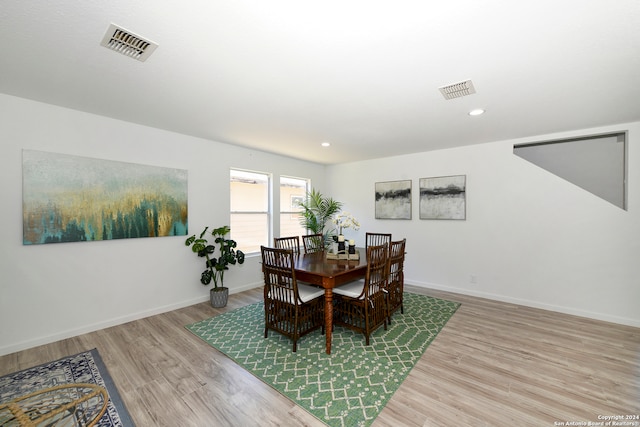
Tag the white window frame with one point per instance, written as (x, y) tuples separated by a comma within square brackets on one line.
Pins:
[(269, 212), (291, 212)]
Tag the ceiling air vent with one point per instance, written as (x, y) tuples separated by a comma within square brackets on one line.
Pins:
[(127, 43), (457, 90)]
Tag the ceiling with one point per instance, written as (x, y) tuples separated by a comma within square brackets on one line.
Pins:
[(286, 75)]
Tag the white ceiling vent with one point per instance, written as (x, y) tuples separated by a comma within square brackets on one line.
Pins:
[(127, 43), (457, 90)]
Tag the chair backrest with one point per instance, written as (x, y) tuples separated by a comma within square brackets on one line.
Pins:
[(377, 269), (396, 261), (377, 239), (291, 243), (279, 275), (313, 243)]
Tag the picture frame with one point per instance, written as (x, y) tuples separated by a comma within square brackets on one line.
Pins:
[(68, 198), (443, 197), (393, 199)]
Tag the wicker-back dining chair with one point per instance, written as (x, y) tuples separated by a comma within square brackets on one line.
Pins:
[(290, 308), (376, 239), (395, 284), (313, 243), (361, 305), (291, 243)]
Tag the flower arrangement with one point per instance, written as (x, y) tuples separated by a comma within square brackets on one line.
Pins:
[(346, 220)]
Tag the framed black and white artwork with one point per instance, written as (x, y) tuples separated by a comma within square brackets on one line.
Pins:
[(393, 200), (443, 197)]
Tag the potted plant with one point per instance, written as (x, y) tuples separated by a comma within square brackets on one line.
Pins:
[(317, 210), (346, 220), (215, 267), (343, 221)]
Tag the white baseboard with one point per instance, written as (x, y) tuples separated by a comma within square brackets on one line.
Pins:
[(529, 303), (236, 289), (23, 345)]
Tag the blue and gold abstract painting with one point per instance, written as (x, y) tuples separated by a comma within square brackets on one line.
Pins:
[(72, 199)]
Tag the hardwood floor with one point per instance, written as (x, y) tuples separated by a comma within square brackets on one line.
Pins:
[(494, 364)]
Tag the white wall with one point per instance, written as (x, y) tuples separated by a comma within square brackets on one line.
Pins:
[(530, 237), (49, 292)]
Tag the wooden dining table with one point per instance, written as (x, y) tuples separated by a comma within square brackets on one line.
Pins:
[(317, 269)]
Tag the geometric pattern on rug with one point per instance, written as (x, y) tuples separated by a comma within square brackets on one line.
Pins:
[(62, 374), (350, 386)]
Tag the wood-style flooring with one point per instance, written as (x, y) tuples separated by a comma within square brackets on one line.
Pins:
[(494, 364)]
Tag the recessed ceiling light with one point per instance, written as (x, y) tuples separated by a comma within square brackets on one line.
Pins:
[(325, 144), (476, 112)]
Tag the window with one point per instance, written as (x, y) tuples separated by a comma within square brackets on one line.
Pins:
[(292, 191), (250, 212)]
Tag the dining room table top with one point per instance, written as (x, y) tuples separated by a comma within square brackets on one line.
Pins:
[(318, 263)]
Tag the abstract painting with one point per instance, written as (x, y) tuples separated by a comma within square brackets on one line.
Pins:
[(443, 197), (72, 199), (393, 200)]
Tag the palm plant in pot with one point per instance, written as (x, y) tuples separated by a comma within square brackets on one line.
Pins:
[(317, 210), (216, 266)]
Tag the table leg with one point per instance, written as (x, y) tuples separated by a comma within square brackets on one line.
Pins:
[(328, 316)]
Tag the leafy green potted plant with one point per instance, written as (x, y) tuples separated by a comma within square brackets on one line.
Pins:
[(317, 210), (215, 267)]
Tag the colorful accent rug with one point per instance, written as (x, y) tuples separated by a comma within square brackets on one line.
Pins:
[(350, 386), (73, 391)]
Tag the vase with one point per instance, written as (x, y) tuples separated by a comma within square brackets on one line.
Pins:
[(219, 297)]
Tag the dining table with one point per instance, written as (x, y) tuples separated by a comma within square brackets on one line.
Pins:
[(318, 269)]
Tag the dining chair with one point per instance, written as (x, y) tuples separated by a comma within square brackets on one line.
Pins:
[(376, 239), (313, 243), (361, 305), (290, 308), (395, 284), (292, 243)]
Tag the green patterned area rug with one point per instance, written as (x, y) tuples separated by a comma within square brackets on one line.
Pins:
[(347, 388)]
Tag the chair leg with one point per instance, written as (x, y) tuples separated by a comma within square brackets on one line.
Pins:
[(387, 297), (366, 325)]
